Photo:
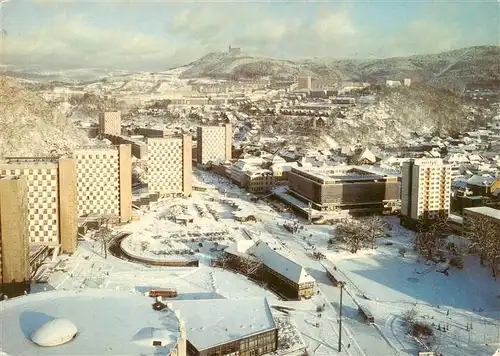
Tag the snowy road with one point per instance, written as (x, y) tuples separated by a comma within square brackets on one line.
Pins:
[(372, 342)]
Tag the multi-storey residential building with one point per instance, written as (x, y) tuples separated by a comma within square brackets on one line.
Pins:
[(110, 123), (104, 182), (214, 144), (304, 82), (51, 205), (426, 188), (14, 249), (353, 188), (170, 166)]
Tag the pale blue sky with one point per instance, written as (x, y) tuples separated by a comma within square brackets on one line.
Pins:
[(153, 35)]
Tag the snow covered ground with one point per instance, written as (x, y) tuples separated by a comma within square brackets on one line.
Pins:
[(378, 279)]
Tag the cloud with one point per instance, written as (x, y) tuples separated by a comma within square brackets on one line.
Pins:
[(421, 36), (335, 25), (194, 29), (73, 42)]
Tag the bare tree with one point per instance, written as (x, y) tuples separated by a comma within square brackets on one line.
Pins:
[(375, 228), (429, 239), (223, 259), (409, 316), (484, 236), (427, 244), (105, 232), (439, 227), (249, 265), (352, 234)]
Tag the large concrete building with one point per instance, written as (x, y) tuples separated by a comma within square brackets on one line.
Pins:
[(57, 191), (14, 249), (170, 166), (51, 205), (353, 188), (426, 188), (304, 82), (110, 123), (104, 182), (214, 144)]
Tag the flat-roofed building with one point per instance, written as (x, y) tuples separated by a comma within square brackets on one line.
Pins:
[(104, 182), (14, 246), (51, 205), (304, 82), (170, 166), (243, 327), (110, 123), (214, 144), (426, 190), (354, 188)]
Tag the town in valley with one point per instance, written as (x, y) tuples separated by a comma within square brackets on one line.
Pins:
[(244, 205)]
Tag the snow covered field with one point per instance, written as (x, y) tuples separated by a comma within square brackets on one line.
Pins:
[(378, 279)]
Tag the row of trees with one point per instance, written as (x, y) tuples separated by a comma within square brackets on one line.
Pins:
[(429, 239), (484, 236), (481, 232)]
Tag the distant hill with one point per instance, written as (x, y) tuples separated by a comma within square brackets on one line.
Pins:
[(450, 70), (30, 126)]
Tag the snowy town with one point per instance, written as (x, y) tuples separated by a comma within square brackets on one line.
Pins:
[(242, 205)]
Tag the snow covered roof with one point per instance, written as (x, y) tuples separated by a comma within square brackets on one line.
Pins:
[(481, 181), (240, 247), (213, 322), (368, 155), (279, 263), (487, 211), (107, 320), (284, 166), (255, 172)]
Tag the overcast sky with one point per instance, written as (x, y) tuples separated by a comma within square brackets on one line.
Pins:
[(154, 35)]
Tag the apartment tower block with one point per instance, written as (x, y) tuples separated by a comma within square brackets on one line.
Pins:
[(425, 192), (14, 248), (104, 182), (51, 199), (170, 166), (214, 144), (304, 82), (110, 123)]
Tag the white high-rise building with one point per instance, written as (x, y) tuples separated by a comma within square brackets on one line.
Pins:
[(214, 144), (426, 186)]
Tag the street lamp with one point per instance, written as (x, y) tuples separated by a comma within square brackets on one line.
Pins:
[(341, 285)]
